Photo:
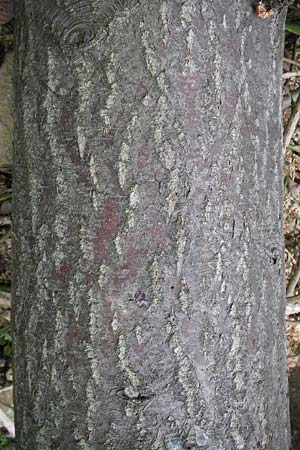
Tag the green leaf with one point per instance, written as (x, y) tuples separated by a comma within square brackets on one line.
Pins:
[(294, 148), (7, 350), (296, 349), (293, 28), (4, 441)]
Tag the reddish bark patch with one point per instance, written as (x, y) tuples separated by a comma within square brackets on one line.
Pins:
[(90, 279), (143, 156), (63, 271), (106, 231), (158, 231)]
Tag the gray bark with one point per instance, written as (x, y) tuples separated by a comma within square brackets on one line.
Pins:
[(148, 251)]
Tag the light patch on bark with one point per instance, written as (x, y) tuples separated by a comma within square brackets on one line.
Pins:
[(92, 411), (224, 22), (102, 275), (124, 157), (256, 143), (264, 428), (81, 140), (118, 245), (80, 439), (238, 438), (95, 179), (164, 19), (185, 368), (115, 322), (134, 200), (123, 359), (218, 76), (168, 156), (152, 62), (238, 19), (147, 100), (59, 332), (244, 73), (91, 349), (123, 164), (156, 277), (84, 88), (181, 245), (93, 170), (113, 95), (159, 444), (173, 188), (110, 73), (73, 300), (134, 196), (188, 11), (219, 268), (161, 81), (160, 121), (234, 364), (212, 31), (139, 334), (130, 218), (56, 416), (190, 64), (184, 296), (85, 243), (266, 146), (173, 443)]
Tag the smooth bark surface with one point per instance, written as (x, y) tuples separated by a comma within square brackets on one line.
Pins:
[(148, 249)]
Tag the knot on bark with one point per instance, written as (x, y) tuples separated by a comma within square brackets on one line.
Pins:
[(76, 23)]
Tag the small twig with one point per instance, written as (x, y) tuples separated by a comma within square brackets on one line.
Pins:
[(291, 125), (6, 295), (287, 75), (291, 61), (293, 300), (294, 280)]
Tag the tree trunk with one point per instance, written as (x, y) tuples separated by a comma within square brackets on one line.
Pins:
[(148, 248)]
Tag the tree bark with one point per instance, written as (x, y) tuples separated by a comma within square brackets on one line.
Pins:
[(148, 249)]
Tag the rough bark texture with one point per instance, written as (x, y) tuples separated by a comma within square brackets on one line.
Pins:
[(148, 249)]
